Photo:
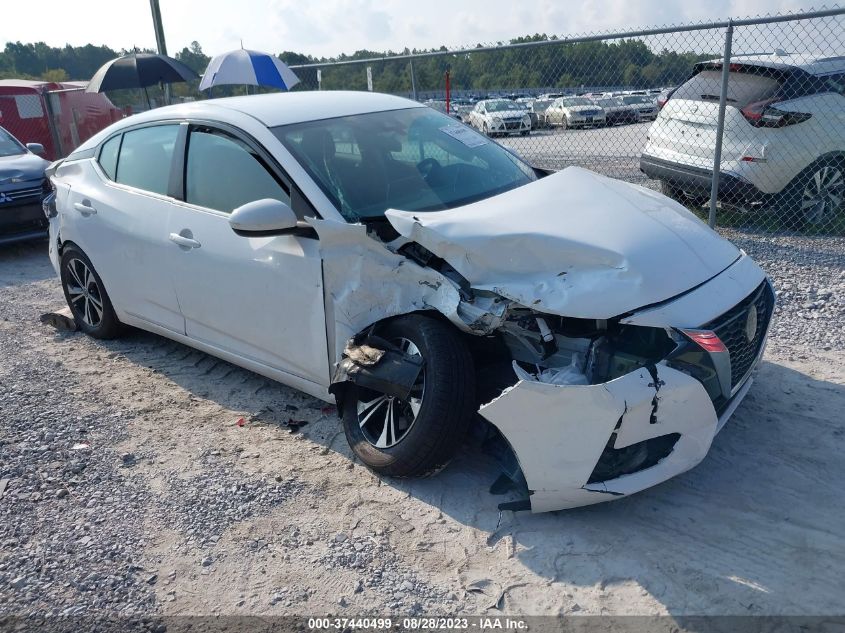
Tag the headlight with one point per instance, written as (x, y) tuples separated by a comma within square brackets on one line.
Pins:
[(497, 121), (48, 205), (526, 119)]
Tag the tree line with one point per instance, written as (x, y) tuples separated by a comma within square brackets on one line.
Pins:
[(564, 65)]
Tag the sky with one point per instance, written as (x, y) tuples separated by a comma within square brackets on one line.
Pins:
[(329, 27)]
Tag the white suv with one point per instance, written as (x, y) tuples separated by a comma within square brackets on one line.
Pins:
[(784, 140)]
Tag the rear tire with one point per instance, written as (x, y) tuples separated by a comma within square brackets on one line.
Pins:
[(427, 429), (671, 191), (86, 295)]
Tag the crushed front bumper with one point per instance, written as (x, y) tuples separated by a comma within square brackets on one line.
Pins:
[(571, 426)]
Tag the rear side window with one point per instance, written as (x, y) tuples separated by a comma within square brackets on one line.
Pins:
[(223, 173), (108, 156), (743, 88), (145, 158)]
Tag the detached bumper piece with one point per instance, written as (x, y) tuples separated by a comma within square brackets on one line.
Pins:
[(583, 444), (380, 366)]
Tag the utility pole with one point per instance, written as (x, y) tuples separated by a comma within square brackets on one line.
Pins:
[(160, 44)]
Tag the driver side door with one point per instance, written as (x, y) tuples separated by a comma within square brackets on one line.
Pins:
[(260, 298)]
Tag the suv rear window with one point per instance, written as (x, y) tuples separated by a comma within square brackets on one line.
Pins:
[(743, 87)]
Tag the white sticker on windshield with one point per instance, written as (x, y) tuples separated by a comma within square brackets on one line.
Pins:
[(465, 135)]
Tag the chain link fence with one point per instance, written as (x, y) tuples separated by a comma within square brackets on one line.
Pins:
[(760, 103)]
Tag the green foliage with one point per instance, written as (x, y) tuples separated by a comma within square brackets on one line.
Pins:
[(558, 65)]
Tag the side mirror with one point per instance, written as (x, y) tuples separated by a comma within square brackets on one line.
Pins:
[(36, 148), (262, 218)]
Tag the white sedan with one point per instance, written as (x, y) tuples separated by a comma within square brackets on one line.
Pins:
[(374, 252), (575, 112), (501, 117)]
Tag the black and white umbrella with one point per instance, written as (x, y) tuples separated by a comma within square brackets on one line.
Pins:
[(139, 70)]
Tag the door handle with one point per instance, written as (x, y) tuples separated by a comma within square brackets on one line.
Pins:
[(185, 242), (85, 208)]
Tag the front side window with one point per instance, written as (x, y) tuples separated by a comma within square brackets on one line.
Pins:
[(145, 158), (414, 160), (223, 173)]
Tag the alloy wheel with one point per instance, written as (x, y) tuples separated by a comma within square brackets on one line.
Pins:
[(823, 195), (84, 292), (386, 420)]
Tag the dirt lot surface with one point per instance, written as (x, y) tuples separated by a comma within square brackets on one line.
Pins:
[(131, 488)]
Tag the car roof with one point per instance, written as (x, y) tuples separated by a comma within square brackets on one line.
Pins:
[(284, 108), (813, 64)]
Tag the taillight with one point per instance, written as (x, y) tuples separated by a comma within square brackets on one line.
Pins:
[(764, 114), (707, 340), (661, 101)]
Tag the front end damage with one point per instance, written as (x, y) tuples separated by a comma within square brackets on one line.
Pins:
[(593, 409)]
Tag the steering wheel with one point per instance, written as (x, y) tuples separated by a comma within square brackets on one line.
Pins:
[(427, 166)]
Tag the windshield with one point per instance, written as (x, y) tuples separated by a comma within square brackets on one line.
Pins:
[(9, 145), (606, 103), (542, 105), (636, 99), (499, 106), (576, 101), (414, 160)]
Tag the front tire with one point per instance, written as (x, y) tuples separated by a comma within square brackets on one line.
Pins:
[(86, 295), (417, 437)]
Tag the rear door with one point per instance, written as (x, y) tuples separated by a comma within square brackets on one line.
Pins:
[(120, 208), (259, 298)]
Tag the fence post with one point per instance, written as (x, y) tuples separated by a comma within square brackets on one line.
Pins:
[(413, 79), (720, 125)]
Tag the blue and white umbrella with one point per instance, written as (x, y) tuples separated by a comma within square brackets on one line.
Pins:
[(245, 67)]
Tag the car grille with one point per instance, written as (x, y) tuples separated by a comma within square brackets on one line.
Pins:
[(12, 197), (513, 125), (731, 329), (589, 112)]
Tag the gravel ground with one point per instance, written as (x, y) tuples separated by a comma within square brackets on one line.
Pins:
[(130, 490), (809, 278)]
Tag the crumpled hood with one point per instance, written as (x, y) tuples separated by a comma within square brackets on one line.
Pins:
[(575, 244)]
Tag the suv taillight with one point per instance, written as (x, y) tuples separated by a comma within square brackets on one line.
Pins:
[(764, 114)]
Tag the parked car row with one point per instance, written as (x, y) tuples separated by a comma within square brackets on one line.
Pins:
[(554, 110)]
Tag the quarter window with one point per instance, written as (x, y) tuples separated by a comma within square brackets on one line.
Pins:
[(108, 156), (223, 173), (145, 158)]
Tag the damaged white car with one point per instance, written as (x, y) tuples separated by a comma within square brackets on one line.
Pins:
[(365, 248)]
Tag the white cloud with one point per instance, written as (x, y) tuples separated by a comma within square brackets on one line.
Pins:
[(329, 27)]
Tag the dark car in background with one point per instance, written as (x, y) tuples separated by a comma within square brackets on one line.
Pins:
[(539, 120), (22, 188)]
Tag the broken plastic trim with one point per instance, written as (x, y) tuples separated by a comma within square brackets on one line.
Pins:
[(391, 372)]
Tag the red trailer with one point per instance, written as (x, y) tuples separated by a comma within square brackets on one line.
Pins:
[(60, 116)]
